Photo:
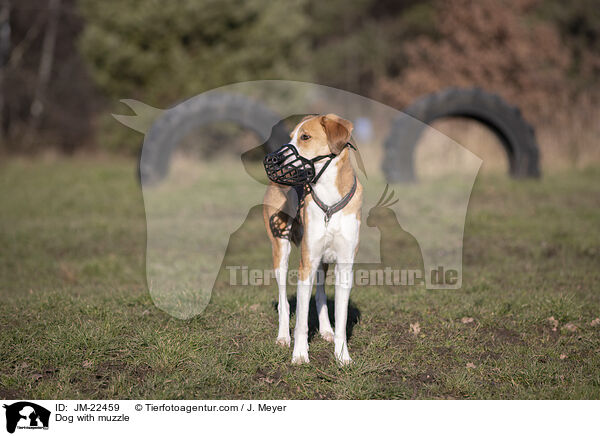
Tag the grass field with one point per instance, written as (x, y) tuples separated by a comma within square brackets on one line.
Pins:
[(77, 321)]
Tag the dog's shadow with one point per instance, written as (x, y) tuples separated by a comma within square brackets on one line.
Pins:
[(313, 318)]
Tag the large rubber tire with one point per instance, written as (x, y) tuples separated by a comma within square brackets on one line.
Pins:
[(505, 120), (174, 124)]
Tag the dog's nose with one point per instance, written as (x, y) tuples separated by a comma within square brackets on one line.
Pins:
[(273, 158)]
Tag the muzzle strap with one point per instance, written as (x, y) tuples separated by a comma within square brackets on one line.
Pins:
[(331, 157)]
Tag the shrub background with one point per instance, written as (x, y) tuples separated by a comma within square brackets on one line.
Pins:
[(543, 55)]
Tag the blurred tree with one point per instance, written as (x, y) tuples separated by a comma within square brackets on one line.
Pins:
[(579, 25), (536, 53), (44, 87), (36, 109), (354, 44), (4, 53), (162, 52), (56, 82), (165, 51)]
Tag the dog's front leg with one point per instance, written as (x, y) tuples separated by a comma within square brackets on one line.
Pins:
[(343, 285), (307, 271), (281, 254)]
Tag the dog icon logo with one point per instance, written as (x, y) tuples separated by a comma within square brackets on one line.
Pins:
[(26, 415)]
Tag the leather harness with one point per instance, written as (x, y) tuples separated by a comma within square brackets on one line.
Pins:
[(330, 210), (285, 232)]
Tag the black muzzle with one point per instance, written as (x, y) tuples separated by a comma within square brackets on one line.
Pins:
[(286, 167)]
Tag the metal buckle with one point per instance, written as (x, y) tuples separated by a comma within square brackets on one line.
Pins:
[(327, 215)]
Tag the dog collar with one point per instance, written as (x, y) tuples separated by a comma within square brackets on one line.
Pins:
[(330, 210)]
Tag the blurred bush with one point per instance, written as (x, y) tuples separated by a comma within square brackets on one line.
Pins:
[(539, 55), (163, 52), (543, 55)]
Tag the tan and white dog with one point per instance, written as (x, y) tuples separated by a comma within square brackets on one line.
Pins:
[(326, 227)]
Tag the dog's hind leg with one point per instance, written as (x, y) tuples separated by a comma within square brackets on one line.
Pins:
[(343, 285), (321, 299), (281, 254)]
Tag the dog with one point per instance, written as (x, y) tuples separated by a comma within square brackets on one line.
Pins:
[(314, 200)]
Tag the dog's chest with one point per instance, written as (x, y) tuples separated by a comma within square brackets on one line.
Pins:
[(327, 189), (328, 239), (323, 234)]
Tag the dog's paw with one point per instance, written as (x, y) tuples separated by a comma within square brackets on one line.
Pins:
[(300, 354), (300, 359), (343, 361), (284, 341), (328, 336)]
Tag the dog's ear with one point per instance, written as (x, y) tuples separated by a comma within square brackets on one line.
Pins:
[(338, 132)]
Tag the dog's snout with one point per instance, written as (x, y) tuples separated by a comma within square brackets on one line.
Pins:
[(287, 167), (278, 156), (272, 158)]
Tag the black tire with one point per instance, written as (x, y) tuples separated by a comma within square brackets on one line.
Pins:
[(505, 120), (174, 124)]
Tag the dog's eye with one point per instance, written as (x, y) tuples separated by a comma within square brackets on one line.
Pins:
[(305, 137)]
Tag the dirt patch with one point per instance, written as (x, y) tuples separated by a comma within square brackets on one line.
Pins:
[(420, 381), (140, 372), (444, 351), (488, 354), (12, 394), (272, 381), (265, 376), (103, 374), (424, 377), (502, 335), (322, 358), (106, 368), (550, 250), (47, 373), (393, 376), (414, 382), (547, 333), (400, 335)]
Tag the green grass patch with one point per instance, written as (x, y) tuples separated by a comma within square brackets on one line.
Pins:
[(77, 321)]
